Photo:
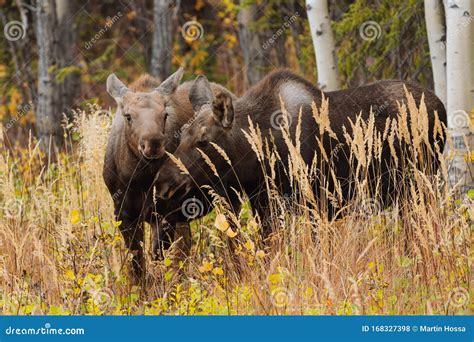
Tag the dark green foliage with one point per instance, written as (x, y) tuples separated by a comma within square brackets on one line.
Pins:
[(400, 50)]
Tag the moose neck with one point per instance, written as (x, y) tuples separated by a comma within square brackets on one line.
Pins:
[(262, 104)]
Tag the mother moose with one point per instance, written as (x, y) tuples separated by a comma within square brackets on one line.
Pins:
[(224, 121)]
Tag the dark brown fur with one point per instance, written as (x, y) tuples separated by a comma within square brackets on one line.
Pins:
[(259, 103)]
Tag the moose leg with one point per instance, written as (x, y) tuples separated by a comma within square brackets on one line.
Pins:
[(261, 206), (165, 235), (161, 239), (132, 232), (183, 239)]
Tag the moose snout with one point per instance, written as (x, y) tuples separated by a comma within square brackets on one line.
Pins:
[(151, 148), (167, 184)]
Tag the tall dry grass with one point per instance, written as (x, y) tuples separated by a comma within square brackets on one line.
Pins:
[(61, 251)]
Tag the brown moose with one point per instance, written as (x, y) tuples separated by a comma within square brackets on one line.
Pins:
[(223, 120)]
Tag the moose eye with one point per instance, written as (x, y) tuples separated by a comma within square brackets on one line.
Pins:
[(128, 117), (202, 143)]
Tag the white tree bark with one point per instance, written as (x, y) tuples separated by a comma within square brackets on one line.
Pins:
[(436, 30), (459, 91), (323, 42)]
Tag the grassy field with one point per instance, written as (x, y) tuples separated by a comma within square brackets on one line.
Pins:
[(61, 251)]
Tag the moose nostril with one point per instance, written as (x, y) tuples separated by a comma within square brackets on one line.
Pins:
[(151, 148), (155, 143), (163, 194)]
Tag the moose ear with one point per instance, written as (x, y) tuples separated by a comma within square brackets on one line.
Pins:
[(223, 109), (200, 93), (115, 87), (168, 86)]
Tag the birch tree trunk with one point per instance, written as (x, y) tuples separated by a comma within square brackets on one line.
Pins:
[(436, 31), (323, 42), (255, 48), (459, 92), (162, 38)]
